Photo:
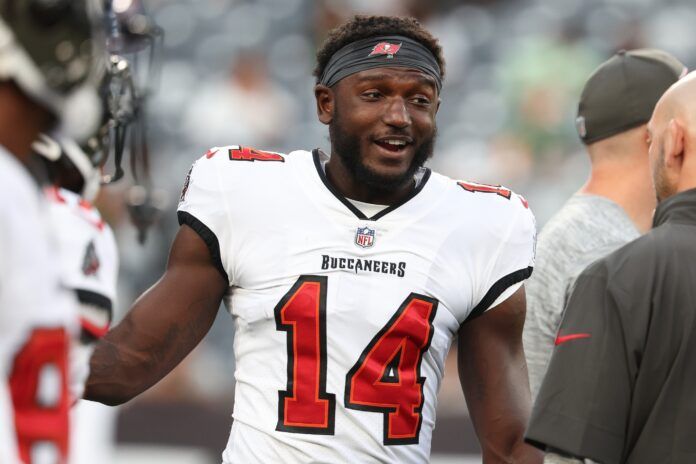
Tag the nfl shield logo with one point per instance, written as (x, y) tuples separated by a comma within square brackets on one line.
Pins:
[(365, 237)]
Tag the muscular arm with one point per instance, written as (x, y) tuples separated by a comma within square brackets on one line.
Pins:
[(162, 327), (493, 374)]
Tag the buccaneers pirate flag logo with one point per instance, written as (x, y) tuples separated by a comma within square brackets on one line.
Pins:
[(90, 263), (385, 48)]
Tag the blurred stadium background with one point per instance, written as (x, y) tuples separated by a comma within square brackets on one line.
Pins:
[(239, 72)]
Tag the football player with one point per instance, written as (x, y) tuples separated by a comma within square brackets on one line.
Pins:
[(88, 266), (86, 243), (348, 275), (47, 70)]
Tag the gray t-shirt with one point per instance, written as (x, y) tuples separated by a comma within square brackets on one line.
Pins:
[(587, 228)]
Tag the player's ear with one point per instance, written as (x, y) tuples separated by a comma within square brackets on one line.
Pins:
[(674, 145), (325, 103)]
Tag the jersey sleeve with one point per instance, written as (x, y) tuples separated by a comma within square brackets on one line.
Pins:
[(203, 207), (584, 400), (511, 258), (88, 260), (97, 294)]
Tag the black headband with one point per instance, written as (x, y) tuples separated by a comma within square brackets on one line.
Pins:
[(378, 52)]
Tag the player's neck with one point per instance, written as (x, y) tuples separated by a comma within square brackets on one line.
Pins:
[(628, 186), (347, 185), (687, 176), (21, 121)]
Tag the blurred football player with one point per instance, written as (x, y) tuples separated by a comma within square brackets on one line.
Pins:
[(86, 244), (47, 71), (348, 276), (88, 268)]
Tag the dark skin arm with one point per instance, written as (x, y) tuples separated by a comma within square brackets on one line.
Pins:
[(162, 327), (493, 374)]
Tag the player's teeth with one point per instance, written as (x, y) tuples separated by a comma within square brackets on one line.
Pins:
[(396, 142)]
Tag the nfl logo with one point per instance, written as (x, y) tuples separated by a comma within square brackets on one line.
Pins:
[(365, 237)]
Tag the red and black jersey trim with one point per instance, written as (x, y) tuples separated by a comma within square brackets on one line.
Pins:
[(95, 299), (103, 304), (350, 206), (208, 237), (497, 289)]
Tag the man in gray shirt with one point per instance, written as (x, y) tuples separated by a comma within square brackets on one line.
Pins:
[(616, 203)]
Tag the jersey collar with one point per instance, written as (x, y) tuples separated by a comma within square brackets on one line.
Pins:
[(317, 154), (678, 208)]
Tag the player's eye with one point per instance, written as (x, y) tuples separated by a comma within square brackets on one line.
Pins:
[(421, 100), (371, 94)]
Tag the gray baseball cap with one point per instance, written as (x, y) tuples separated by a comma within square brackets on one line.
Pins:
[(622, 92)]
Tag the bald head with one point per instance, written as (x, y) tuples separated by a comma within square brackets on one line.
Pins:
[(678, 103), (672, 134)]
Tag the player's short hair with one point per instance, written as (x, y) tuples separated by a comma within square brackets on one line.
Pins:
[(363, 27)]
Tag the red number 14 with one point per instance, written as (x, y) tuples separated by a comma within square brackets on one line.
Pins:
[(385, 379)]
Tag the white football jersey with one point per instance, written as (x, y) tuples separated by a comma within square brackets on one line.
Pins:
[(37, 321), (88, 257), (343, 322), (89, 268)]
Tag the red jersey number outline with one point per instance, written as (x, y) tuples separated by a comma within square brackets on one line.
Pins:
[(251, 154), (35, 422), (399, 347), (306, 407), (486, 188)]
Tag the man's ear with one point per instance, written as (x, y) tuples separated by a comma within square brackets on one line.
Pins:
[(674, 144), (325, 103)]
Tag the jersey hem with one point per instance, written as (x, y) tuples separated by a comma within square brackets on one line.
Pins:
[(208, 237), (578, 438)]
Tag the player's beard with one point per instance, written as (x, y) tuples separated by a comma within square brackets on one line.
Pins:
[(347, 146), (663, 187)]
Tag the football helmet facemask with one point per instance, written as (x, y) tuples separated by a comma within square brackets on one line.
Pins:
[(51, 50)]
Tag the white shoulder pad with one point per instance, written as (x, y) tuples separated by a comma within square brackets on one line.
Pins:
[(509, 229), (215, 182)]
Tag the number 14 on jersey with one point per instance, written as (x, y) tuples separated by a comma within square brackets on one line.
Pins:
[(385, 378)]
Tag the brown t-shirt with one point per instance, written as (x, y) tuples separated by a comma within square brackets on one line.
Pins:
[(621, 385)]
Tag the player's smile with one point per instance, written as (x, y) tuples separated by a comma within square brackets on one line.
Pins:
[(394, 143)]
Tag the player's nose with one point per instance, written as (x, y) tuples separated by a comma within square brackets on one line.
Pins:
[(396, 113)]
